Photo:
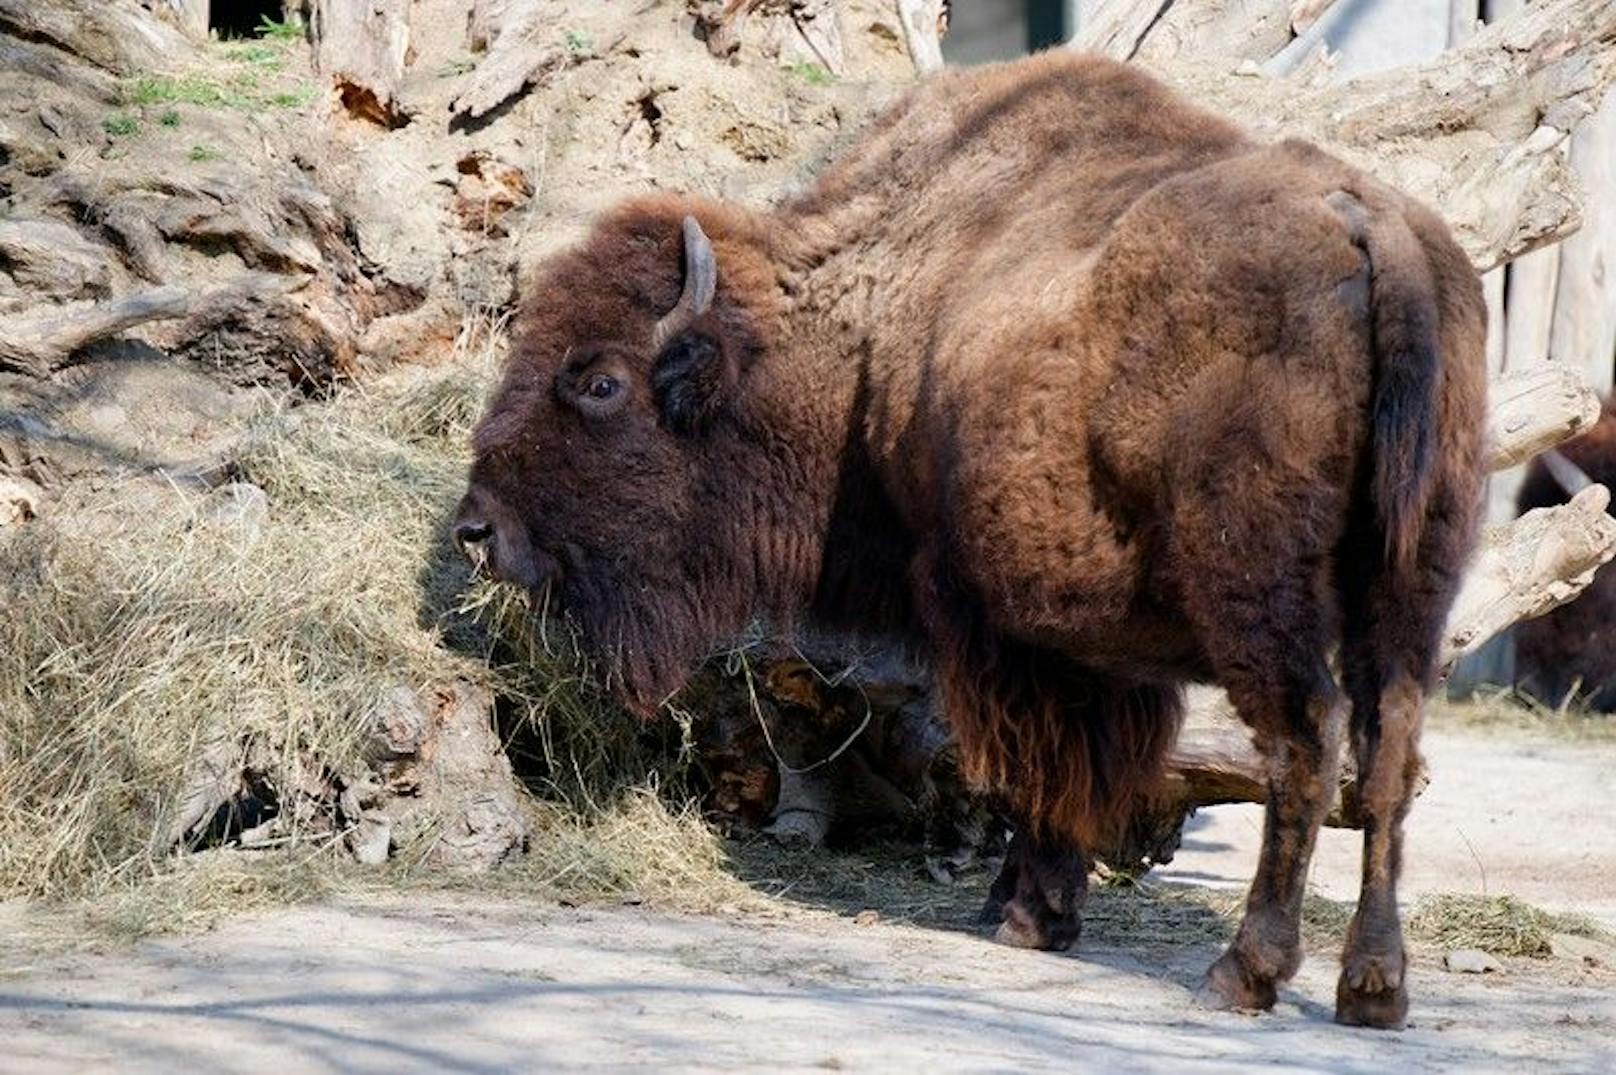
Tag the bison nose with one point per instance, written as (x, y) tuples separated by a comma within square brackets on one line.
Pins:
[(472, 537)]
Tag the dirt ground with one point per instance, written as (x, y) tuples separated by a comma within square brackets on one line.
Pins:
[(468, 983)]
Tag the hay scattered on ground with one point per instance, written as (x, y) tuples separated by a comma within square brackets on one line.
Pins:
[(145, 622), (1503, 710), (1501, 925)]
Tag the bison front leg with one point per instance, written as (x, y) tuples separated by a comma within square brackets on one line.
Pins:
[(1038, 897)]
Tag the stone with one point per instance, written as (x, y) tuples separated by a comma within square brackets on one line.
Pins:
[(1585, 950), (239, 508), (1471, 961), (19, 500)]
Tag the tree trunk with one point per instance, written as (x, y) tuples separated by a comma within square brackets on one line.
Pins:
[(361, 47)]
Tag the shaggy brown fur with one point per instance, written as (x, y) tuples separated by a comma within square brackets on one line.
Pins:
[(1079, 387), (1573, 647)]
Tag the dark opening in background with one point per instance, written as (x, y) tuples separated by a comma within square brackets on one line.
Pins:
[(243, 18), (1046, 24)]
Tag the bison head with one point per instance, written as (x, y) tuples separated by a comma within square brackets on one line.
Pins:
[(611, 469)]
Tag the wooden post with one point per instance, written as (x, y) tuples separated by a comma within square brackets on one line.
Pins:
[(1583, 332)]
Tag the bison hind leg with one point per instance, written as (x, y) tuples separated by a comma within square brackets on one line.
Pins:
[(1268, 633)]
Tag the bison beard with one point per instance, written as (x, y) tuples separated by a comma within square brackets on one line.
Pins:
[(1075, 386)]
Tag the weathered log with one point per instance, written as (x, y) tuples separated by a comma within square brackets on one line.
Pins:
[(52, 259), (923, 22), (1528, 567), (120, 38), (362, 49), (1532, 409), (41, 342), (1478, 132), (522, 49), (1584, 326)]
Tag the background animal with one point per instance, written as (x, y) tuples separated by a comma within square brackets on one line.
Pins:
[(1573, 648), (1079, 389)]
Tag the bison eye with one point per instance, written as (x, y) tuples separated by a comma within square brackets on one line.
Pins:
[(601, 387)]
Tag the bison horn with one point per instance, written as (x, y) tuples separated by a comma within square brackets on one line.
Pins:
[(701, 281)]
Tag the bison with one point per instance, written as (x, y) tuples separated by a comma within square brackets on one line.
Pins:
[(1073, 384), (1573, 648)]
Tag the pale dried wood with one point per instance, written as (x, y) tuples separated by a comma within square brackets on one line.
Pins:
[(54, 260), (362, 46), (522, 49), (1529, 316), (38, 343), (1304, 13), (1532, 409), (922, 22), (189, 15), (1583, 333), (1380, 37), (1476, 132), (1530, 566), (120, 38)]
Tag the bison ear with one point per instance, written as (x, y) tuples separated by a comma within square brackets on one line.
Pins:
[(694, 377)]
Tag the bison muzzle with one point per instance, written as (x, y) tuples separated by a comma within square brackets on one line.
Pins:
[(1071, 384)]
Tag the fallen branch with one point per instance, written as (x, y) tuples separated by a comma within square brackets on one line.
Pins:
[(522, 49), (1531, 410), (1530, 566), (39, 344), (923, 22)]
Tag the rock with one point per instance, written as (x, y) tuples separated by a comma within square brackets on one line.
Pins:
[(371, 841), (54, 260), (240, 508), (1470, 961), (19, 500), (488, 189), (867, 918), (444, 776), (1585, 950)]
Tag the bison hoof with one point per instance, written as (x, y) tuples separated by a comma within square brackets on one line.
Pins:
[(1038, 897), (1230, 987), (1032, 924), (1372, 992)]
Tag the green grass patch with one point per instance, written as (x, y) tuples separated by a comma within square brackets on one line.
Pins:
[(201, 154), (281, 30), (812, 73), (577, 41), (121, 125), (258, 55), (295, 98)]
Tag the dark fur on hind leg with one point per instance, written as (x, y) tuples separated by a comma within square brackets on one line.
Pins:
[(1038, 897)]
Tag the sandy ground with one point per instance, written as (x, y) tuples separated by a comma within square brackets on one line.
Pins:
[(1504, 813), (440, 983)]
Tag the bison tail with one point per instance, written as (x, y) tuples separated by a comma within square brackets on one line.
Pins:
[(1404, 325)]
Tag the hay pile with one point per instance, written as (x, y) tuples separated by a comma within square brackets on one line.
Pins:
[(144, 623)]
